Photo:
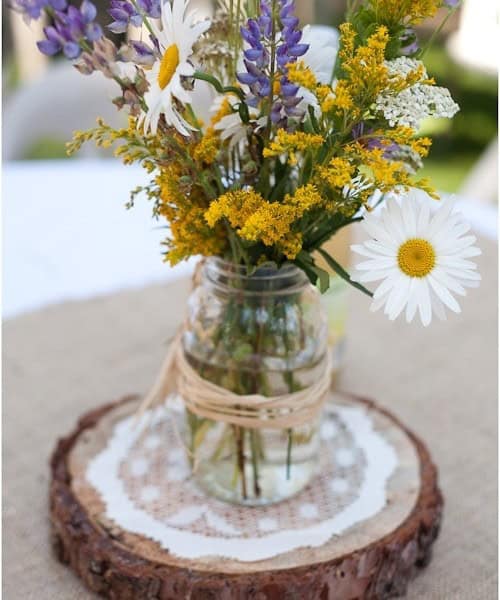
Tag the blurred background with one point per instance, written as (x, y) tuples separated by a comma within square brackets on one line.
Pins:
[(66, 234)]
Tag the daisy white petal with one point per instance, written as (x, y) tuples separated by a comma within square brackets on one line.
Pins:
[(377, 231), (367, 277), (381, 249), (451, 283), (362, 251), (378, 303), (376, 264), (409, 220), (438, 308), (424, 304), (423, 219), (443, 294), (386, 286), (398, 298), (470, 252), (412, 305)]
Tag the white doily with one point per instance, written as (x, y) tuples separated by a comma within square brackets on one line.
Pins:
[(144, 481)]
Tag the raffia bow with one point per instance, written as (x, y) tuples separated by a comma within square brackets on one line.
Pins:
[(208, 400)]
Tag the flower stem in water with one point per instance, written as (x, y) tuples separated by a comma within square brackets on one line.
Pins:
[(255, 462)]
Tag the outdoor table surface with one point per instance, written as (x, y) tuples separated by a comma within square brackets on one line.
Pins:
[(66, 352)]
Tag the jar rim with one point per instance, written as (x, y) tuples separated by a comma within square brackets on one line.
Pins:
[(266, 271), (297, 279)]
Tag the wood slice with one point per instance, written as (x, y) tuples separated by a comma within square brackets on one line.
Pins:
[(373, 559)]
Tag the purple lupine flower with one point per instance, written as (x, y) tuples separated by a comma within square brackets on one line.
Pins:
[(126, 13), (258, 34), (72, 27), (451, 3), (33, 9)]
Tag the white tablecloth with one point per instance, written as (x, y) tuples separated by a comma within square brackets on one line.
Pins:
[(67, 235)]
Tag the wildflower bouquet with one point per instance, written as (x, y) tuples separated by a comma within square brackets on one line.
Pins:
[(304, 136)]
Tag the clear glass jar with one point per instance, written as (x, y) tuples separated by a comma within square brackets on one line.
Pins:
[(264, 333)]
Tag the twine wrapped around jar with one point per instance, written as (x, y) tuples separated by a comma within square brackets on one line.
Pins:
[(254, 411)]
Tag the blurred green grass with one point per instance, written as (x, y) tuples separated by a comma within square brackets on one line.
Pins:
[(458, 143)]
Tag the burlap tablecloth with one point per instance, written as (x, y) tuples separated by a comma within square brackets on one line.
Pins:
[(66, 359)]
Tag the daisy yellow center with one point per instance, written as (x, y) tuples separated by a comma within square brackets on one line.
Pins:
[(416, 257), (168, 66)]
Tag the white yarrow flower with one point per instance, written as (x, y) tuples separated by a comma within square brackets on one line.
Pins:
[(180, 31), (411, 106), (422, 260)]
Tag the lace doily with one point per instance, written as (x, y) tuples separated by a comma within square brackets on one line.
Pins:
[(143, 478)]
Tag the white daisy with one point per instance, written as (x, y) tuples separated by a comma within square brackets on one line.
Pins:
[(180, 31), (231, 127), (422, 259)]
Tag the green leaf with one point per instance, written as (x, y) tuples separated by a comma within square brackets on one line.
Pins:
[(307, 171), (323, 279), (317, 275), (341, 272), (244, 114), (314, 121), (305, 262), (214, 82)]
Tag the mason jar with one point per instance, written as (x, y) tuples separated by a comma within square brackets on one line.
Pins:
[(259, 333)]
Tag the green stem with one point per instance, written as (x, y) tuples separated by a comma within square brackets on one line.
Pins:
[(214, 82), (436, 33), (272, 73), (239, 434), (291, 388), (255, 462), (145, 19), (289, 454)]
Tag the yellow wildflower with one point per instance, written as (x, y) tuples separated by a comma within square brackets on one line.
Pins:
[(208, 147), (425, 184), (365, 73), (191, 236), (236, 206), (300, 74), (338, 173), (291, 143), (184, 206), (224, 110), (408, 12), (305, 198), (291, 245), (385, 174), (421, 146), (258, 220), (325, 97), (403, 136), (269, 224), (347, 38)]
